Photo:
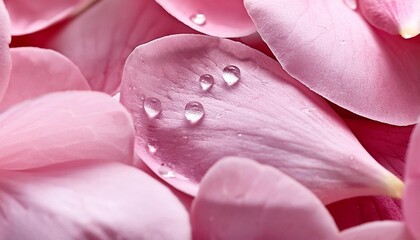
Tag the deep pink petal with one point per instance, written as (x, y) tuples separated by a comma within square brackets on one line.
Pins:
[(393, 16), (241, 199), (39, 71), (335, 52), (266, 116), (99, 44), (31, 16), (411, 205), (5, 60), (88, 200), (386, 230), (66, 126), (214, 17)]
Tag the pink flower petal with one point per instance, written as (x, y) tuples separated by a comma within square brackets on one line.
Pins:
[(88, 200), (66, 126), (28, 17), (331, 49), (39, 71), (214, 17), (386, 230), (241, 199), (393, 16), (5, 60), (99, 44), (411, 205), (266, 116)]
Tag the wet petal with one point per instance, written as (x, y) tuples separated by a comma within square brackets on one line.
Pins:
[(5, 60), (66, 126), (241, 199), (99, 44), (335, 52), (265, 116), (39, 71), (393, 16), (28, 17), (389, 230), (214, 17), (412, 194), (88, 200)]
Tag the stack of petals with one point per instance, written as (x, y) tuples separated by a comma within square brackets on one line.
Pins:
[(211, 119)]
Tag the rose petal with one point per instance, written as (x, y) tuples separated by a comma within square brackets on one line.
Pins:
[(412, 194), (99, 44), (331, 49), (88, 200), (214, 17), (241, 199), (389, 230), (39, 71), (5, 60), (66, 126), (266, 116), (28, 17)]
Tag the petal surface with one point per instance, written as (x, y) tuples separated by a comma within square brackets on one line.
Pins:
[(5, 59), (89, 200), (28, 17), (241, 199), (60, 127), (389, 230), (39, 71), (411, 206), (335, 52), (99, 44), (266, 116), (213, 17)]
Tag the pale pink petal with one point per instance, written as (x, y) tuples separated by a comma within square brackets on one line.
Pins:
[(99, 40), (241, 199), (66, 126), (88, 200), (31, 16), (5, 60), (214, 17), (393, 16), (39, 71), (386, 230), (411, 205), (266, 116), (335, 52)]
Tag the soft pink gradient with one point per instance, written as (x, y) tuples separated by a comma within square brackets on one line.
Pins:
[(222, 18), (266, 116), (335, 52), (386, 230), (39, 71), (5, 59)]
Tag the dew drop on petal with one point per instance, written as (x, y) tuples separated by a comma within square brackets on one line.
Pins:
[(199, 19), (194, 111), (166, 172), (152, 145), (231, 74), (152, 106), (206, 82)]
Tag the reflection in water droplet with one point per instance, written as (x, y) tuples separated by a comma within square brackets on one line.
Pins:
[(165, 172), (152, 106), (199, 19), (194, 111), (231, 74), (206, 81), (152, 145)]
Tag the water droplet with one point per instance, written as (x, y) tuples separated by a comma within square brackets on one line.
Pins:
[(194, 111), (152, 145), (166, 172), (231, 74), (239, 134), (152, 106), (206, 82), (199, 19)]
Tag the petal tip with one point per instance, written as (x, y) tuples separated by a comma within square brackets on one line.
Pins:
[(409, 31)]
